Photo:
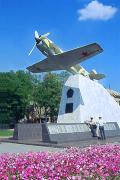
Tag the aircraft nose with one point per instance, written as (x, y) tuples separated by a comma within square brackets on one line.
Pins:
[(37, 40)]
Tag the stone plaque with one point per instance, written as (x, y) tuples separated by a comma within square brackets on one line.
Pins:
[(70, 128), (110, 126)]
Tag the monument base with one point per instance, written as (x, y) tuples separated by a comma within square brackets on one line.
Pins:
[(83, 98), (63, 132)]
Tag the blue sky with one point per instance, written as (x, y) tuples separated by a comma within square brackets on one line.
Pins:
[(69, 29)]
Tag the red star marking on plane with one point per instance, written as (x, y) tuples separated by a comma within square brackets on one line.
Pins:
[(85, 53)]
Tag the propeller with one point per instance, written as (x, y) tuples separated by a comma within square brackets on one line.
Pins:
[(41, 36), (36, 35), (45, 35), (32, 50), (38, 38)]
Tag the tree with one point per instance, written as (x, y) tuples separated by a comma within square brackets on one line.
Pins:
[(64, 76), (16, 93), (18, 90), (47, 94)]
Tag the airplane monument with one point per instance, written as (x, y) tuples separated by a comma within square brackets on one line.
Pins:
[(82, 95), (88, 98)]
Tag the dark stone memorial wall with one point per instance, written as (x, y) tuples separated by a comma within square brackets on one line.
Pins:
[(47, 132)]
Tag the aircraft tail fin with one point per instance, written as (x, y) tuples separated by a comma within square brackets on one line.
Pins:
[(94, 75)]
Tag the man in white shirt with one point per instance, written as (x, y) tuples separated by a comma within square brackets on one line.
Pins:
[(101, 128)]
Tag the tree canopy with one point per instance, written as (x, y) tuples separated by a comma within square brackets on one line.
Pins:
[(19, 90)]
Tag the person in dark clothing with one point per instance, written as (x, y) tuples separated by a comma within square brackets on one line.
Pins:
[(92, 125)]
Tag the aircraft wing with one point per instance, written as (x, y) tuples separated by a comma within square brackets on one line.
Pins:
[(44, 66), (78, 55), (67, 59)]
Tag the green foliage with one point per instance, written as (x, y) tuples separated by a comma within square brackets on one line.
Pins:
[(64, 76), (15, 94), (19, 89), (47, 94)]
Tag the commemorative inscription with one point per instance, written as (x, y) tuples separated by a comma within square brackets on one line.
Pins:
[(110, 126), (70, 128), (75, 128)]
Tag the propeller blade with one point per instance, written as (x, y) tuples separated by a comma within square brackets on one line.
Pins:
[(32, 50), (44, 35), (47, 34), (36, 35)]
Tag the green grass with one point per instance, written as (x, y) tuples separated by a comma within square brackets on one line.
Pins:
[(7, 132)]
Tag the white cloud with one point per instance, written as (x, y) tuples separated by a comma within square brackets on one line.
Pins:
[(97, 11)]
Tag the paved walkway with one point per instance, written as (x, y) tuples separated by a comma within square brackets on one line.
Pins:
[(17, 148)]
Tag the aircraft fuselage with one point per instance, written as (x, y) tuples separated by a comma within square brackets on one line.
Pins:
[(45, 50), (48, 48)]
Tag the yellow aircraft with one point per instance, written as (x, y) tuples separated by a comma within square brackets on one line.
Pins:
[(59, 60)]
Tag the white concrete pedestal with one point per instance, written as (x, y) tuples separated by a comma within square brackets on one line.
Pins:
[(89, 99)]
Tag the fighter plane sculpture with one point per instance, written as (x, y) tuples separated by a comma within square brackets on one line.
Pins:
[(59, 60)]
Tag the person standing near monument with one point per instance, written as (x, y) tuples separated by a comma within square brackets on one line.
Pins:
[(101, 128), (92, 125)]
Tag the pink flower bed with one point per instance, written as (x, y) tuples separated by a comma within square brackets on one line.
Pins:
[(95, 162)]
